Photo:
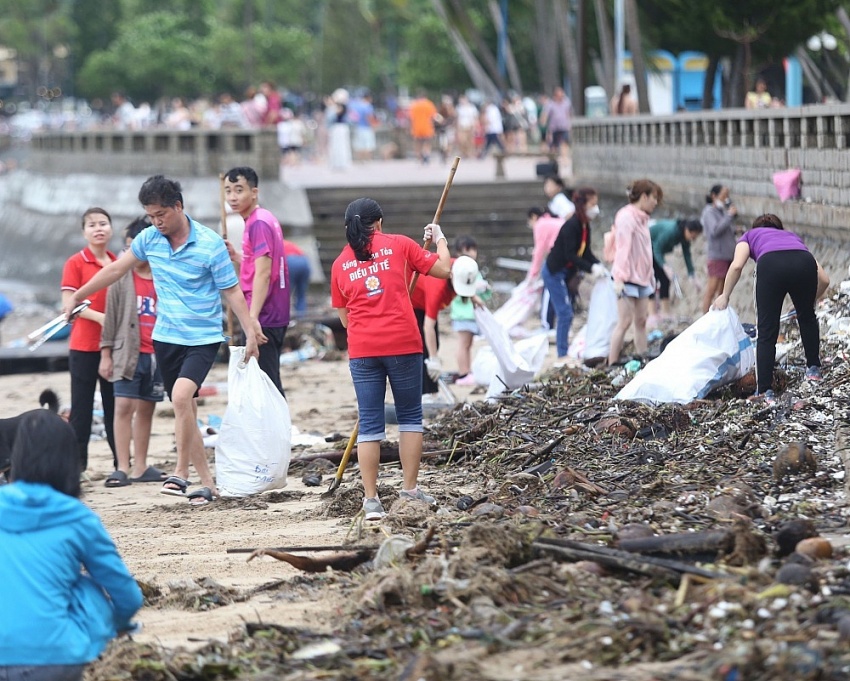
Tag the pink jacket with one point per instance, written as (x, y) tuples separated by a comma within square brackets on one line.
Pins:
[(633, 259), (545, 232)]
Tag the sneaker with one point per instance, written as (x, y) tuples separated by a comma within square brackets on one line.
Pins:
[(417, 495), (813, 373), (374, 509), (469, 379)]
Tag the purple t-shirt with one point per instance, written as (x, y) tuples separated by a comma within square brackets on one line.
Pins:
[(763, 240), (264, 237)]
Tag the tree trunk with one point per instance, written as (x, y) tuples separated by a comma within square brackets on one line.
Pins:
[(581, 43), (568, 48), (606, 45), (638, 65), (477, 75), (546, 47), (845, 23), (510, 60), (735, 93), (485, 54), (708, 83)]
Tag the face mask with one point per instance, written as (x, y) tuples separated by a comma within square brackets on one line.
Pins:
[(719, 204), (592, 212)]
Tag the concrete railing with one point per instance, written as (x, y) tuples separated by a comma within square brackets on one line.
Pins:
[(176, 153), (687, 153)]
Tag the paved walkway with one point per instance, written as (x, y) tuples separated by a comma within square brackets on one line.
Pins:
[(409, 172)]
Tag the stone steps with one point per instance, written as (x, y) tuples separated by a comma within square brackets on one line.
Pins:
[(494, 214)]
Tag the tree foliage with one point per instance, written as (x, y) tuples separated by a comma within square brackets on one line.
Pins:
[(152, 49)]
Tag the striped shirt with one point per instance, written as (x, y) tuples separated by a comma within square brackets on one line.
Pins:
[(188, 284)]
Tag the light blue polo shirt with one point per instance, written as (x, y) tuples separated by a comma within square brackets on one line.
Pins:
[(188, 284)]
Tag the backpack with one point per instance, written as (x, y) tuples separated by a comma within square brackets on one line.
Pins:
[(609, 245)]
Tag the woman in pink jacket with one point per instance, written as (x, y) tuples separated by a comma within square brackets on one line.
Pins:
[(634, 279)]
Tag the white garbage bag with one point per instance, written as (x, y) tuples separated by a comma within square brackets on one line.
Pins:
[(517, 363), (253, 449), (711, 352), (524, 301), (601, 319)]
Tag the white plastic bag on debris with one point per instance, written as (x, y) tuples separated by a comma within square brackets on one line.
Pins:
[(524, 301), (711, 352), (253, 449), (601, 319), (516, 363)]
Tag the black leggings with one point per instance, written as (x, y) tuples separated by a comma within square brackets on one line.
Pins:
[(662, 279), (84, 380), (781, 273)]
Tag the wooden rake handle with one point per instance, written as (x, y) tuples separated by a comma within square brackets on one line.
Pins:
[(426, 244)]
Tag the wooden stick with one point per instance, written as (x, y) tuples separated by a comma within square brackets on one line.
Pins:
[(437, 215), (224, 236), (291, 549)]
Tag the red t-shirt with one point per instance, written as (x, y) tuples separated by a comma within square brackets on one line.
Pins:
[(432, 295), (146, 307), (290, 248), (380, 317), (78, 270)]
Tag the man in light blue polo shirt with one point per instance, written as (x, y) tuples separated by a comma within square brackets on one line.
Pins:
[(191, 272)]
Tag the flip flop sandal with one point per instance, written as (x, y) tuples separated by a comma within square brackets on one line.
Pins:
[(201, 497), (177, 482), (117, 479), (151, 474)]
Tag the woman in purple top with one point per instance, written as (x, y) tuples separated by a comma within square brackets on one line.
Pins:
[(783, 266)]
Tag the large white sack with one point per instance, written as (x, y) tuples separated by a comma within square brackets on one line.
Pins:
[(601, 319), (711, 352), (518, 363), (524, 301), (253, 448)]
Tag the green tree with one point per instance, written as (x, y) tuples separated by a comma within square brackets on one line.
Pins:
[(755, 33), (36, 29)]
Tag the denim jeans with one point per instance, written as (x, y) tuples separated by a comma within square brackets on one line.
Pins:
[(556, 284), (53, 672), (299, 279), (370, 376)]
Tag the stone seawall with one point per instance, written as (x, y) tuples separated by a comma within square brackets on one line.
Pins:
[(687, 153)]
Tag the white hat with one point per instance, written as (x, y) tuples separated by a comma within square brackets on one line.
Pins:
[(464, 276)]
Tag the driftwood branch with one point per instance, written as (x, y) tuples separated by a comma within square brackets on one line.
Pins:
[(388, 455), (664, 568), (681, 543)]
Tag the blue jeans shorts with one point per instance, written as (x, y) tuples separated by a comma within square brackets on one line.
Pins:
[(146, 383), (638, 291), (370, 376), (469, 325)]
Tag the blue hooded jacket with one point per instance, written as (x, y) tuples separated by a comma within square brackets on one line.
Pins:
[(52, 612)]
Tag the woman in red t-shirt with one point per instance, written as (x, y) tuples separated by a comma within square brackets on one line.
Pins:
[(84, 343), (369, 290)]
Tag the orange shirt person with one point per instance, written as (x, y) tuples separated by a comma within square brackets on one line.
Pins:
[(422, 114)]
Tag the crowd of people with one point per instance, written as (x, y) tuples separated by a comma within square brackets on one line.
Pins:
[(341, 128), (636, 248), (154, 327)]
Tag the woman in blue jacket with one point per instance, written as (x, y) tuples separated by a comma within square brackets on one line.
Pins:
[(55, 618)]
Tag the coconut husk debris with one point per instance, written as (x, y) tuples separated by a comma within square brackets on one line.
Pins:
[(579, 537)]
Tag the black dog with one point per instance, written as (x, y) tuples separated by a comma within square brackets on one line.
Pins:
[(9, 427)]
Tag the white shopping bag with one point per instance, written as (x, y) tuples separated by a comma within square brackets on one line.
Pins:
[(601, 319), (517, 363), (524, 301), (711, 352), (253, 449)]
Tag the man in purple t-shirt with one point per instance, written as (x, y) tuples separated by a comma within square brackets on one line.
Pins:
[(263, 277), (557, 116)]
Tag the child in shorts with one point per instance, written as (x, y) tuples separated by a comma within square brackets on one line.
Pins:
[(462, 313)]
